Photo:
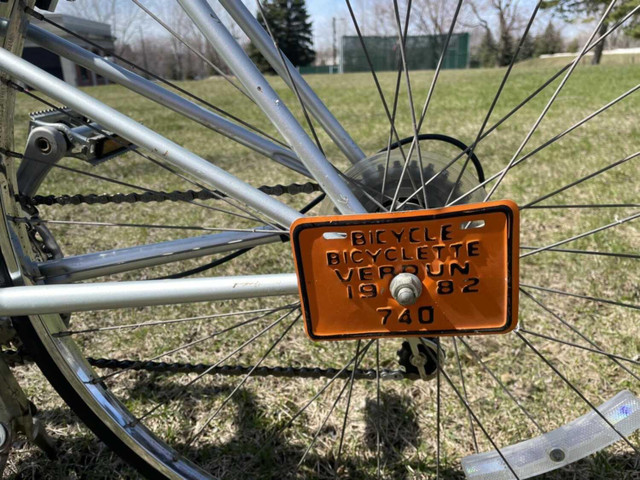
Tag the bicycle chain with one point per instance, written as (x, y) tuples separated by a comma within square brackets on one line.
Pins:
[(152, 196), (200, 368), (234, 370), (148, 197), (19, 357), (15, 357)]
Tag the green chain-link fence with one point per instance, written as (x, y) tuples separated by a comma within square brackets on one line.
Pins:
[(422, 52)]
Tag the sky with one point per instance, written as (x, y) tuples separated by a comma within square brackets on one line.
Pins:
[(323, 11)]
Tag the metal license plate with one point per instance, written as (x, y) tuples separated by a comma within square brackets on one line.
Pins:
[(466, 258)]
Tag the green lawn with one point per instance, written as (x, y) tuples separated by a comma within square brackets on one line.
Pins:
[(232, 446), (621, 59)]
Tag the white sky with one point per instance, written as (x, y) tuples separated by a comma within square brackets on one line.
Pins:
[(323, 11)]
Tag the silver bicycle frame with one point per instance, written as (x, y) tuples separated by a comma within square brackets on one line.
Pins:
[(147, 138), (98, 264), (265, 45), (156, 93), (307, 158), (267, 99), (41, 299)]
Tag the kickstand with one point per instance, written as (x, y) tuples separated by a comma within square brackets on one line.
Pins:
[(18, 415)]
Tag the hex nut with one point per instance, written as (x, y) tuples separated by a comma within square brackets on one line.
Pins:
[(405, 288)]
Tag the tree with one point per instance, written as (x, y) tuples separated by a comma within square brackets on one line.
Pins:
[(528, 48), (124, 18), (573, 10), (506, 45), (487, 51), (506, 15), (435, 16), (550, 41), (289, 23), (573, 46)]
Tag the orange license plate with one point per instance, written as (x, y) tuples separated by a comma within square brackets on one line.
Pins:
[(466, 258)]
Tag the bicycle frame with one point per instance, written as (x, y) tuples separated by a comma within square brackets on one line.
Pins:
[(305, 157)]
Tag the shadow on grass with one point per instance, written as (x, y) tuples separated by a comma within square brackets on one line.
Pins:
[(257, 449)]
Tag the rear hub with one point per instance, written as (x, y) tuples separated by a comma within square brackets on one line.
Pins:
[(415, 272)]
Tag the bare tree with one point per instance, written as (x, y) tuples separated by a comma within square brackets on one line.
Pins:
[(506, 16), (434, 17), (124, 18)]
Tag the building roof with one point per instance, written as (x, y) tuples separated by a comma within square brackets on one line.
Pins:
[(97, 32)]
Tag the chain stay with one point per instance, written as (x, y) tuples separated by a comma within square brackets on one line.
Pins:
[(165, 367)]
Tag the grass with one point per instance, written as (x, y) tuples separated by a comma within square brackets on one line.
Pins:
[(627, 59), (232, 447)]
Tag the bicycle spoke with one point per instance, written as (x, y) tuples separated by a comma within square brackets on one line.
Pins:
[(464, 391), (192, 49), (375, 76), (294, 86), (346, 411), (504, 388), (513, 112), (577, 391), (301, 410), (436, 74), (583, 235), (244, 380), (576, 331), (396, 96), (544, 145), (366, 190), (80, 172), (611, 356), (591, 205), (579, 181), (583, 297), (156, 323), (227, 258), (549, 103), (390, 117), (188, 345), (412, 109), (584, 252), (495, 100), (467, 406), (209, 369), (428, 101), (324, 422)]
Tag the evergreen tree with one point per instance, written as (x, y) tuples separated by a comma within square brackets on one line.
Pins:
[(550, 41), (528, 48), (289, 23), (506, 48), (487, 50), (574, 46)]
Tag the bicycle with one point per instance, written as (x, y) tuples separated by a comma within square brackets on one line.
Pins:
[(411, 265)]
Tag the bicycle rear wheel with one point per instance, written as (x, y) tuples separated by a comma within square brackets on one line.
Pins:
[(153, 382)]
